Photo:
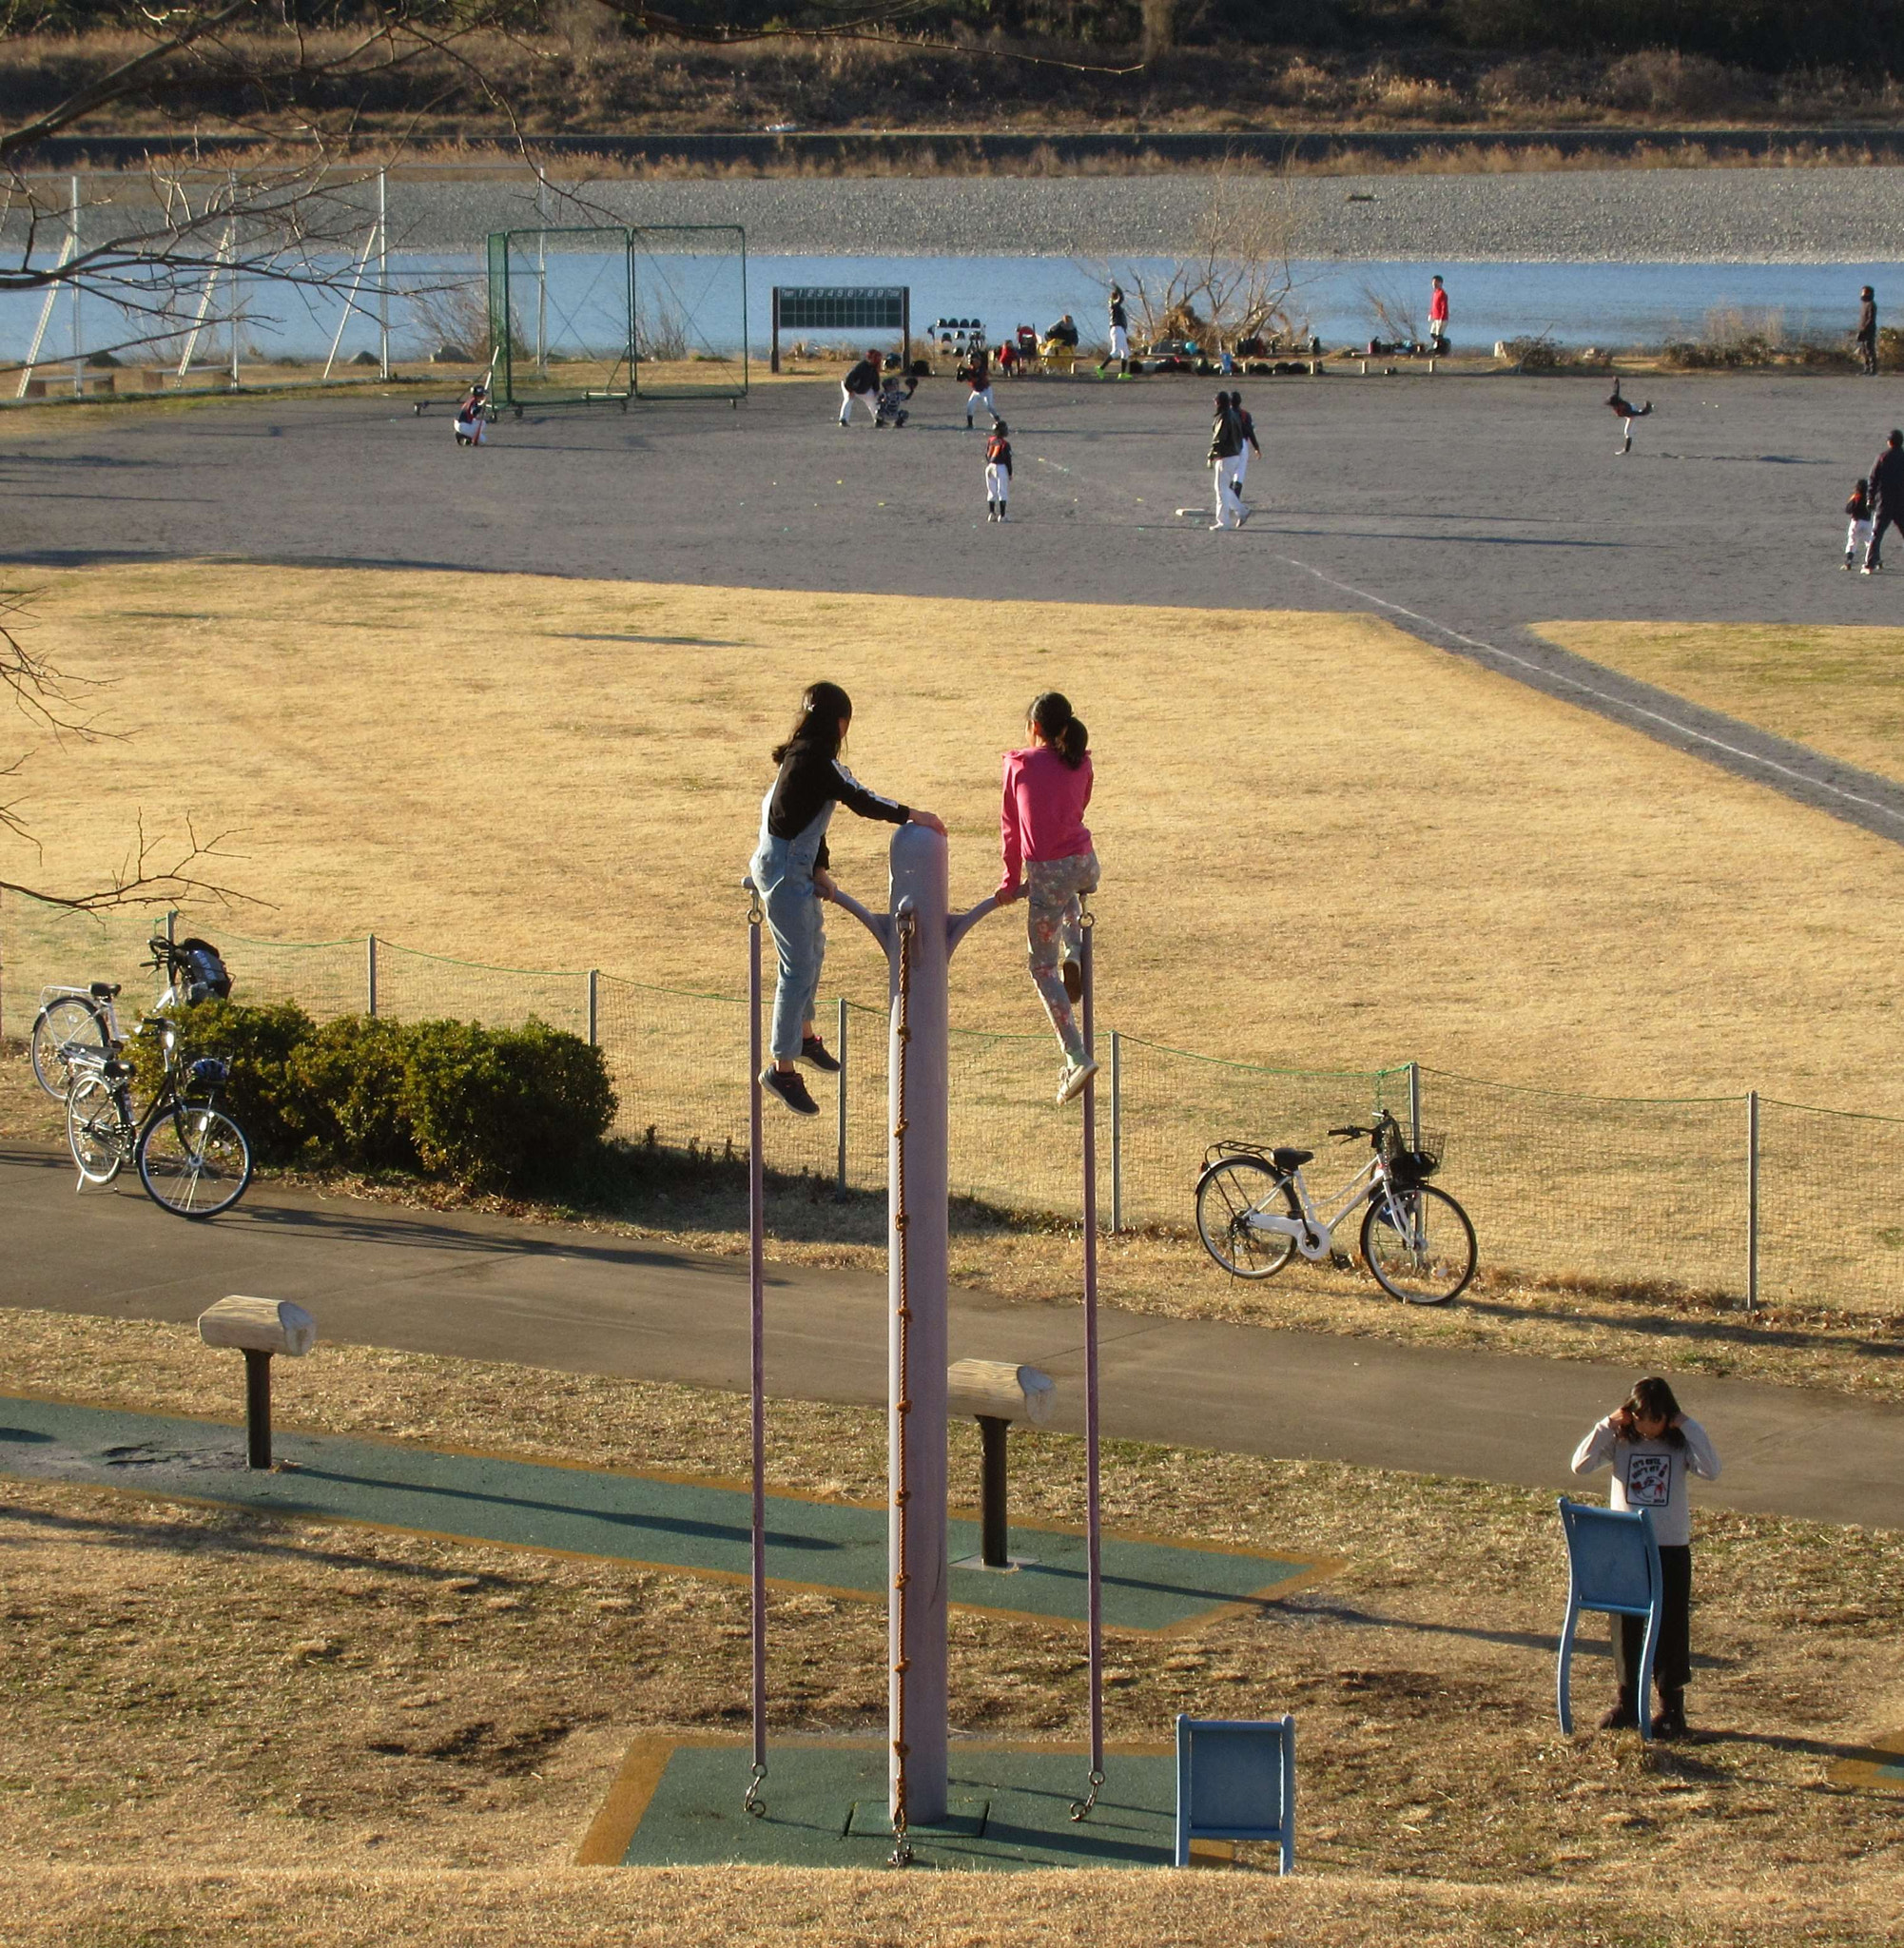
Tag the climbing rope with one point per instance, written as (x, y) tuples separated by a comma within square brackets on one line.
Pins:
[(902, 1493), (757, 1276), (1095, 1584)]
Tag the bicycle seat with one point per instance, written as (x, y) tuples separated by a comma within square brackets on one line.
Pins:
[(1288, 1160), (103, 990)]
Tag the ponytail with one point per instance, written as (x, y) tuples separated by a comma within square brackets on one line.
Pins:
[(1065, 734), (822, 706)]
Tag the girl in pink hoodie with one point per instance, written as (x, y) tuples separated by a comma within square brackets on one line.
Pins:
[(1048, 857)]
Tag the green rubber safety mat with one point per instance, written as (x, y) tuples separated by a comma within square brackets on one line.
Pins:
[(681, 1803), (694, 1527)]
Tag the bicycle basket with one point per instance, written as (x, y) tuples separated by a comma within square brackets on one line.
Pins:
[(1405, 1165)]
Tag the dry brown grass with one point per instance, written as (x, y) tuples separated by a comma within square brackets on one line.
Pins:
[(224, 1728), (499, 822), (1840, 691)]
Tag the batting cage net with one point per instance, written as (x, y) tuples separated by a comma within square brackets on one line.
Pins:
[(690, 310), (591, 314), (561, 316)]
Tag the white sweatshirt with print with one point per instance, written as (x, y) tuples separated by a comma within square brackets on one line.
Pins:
[(1651, 1475)]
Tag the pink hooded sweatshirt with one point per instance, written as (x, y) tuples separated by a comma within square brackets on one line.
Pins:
[(1044, 816)]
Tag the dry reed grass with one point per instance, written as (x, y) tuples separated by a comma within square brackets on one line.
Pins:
[(223, 1727)]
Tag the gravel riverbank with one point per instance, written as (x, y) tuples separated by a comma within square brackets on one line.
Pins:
[(1802, 216)]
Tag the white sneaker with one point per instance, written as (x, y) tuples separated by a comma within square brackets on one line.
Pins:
[(1072, 1079)]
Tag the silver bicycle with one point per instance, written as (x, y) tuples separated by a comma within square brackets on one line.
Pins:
[(1254, 1212)]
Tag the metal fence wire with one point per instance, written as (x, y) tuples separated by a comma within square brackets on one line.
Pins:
[(1743, 1196)]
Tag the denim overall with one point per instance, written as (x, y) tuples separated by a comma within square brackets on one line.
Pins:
[(781, 870)]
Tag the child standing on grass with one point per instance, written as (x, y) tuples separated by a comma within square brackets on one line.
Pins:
[(1048, 857), (1653, 1450), (1858, 535), (998, 472), (790, 873)]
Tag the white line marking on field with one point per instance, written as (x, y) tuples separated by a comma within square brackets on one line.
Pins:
[(1604, 696)]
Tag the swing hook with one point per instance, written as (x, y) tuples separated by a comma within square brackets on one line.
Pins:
[(756, 912), (1080, 1807), (753, 1803)]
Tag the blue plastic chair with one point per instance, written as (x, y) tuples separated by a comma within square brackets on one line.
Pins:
[(1236, 1779), (1613, 1565)]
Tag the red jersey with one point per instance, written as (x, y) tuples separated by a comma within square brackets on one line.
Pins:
[(1438, 307)]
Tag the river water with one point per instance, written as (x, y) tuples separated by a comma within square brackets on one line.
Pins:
[(1612, 306)]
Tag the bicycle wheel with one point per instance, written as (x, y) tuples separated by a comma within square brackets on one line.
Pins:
[(194, 1161), (97, 1129), (1419, 1244), (1227, 1194), (71, 1022)]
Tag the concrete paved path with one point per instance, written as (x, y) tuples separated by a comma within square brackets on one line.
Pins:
[(486, 1288)]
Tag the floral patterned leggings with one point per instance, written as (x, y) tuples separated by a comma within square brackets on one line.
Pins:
[(1054, 926)]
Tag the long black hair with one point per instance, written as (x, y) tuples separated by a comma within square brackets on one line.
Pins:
[(1066, 733), (822, 706), (1655, 1399)]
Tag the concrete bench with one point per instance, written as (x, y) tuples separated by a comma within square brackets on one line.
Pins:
[(259, 1328), (996, 1394)]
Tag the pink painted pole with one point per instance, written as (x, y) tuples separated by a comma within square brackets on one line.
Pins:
[(1095, 1586), (757, 1302)]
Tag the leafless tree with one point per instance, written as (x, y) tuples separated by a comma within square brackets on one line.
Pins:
[(57, 706), (1236, 280)]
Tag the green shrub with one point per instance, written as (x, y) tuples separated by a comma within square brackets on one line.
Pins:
[(505, 1109), (349, 1083), (494, 1109), (263, 1095)]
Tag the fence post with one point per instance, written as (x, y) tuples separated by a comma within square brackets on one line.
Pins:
[(370, 976), (1117, 1131), (839, 1050), (172, 927), (1415, 1104), (383, 274), (1751, 1199), (594, 1007)]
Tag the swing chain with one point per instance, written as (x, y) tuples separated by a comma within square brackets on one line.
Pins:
[(1080, 1807), (901, 1846), (753, 1802)]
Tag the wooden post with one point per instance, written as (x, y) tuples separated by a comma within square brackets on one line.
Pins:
[(259, 1328), (774, 359)]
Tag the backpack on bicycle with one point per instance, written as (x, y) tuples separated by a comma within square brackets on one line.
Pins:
[(200, 973)]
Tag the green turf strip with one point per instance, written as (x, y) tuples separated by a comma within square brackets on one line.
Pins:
[(635, 1518), (827, 1807)]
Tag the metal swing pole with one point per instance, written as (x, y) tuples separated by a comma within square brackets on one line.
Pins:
[(1095, 1578), (757, 1318)]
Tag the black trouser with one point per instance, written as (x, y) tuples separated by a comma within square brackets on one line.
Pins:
[(1673, 1659), (1882, 518), (1867, 350)]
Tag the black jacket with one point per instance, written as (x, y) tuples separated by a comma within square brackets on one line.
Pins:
[(1887, 482), (1867, 319), (1225, 436), (864, 377), (808, 777)]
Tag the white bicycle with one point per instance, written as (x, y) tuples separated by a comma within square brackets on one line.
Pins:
[(81, 1023), (1254, 1214)]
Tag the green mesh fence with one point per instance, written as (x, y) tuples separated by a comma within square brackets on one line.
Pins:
[(1563, 1187), (45, 946), (1825, 1235), (1597, 1187)]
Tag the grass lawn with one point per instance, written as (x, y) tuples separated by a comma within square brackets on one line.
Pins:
[(1838, 690), (226, 1728), (1430, 862)]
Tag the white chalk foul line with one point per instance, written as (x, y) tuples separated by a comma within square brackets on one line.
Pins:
[(1618, 704)]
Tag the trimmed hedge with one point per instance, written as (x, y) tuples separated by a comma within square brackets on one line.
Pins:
[(491, 1109)]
